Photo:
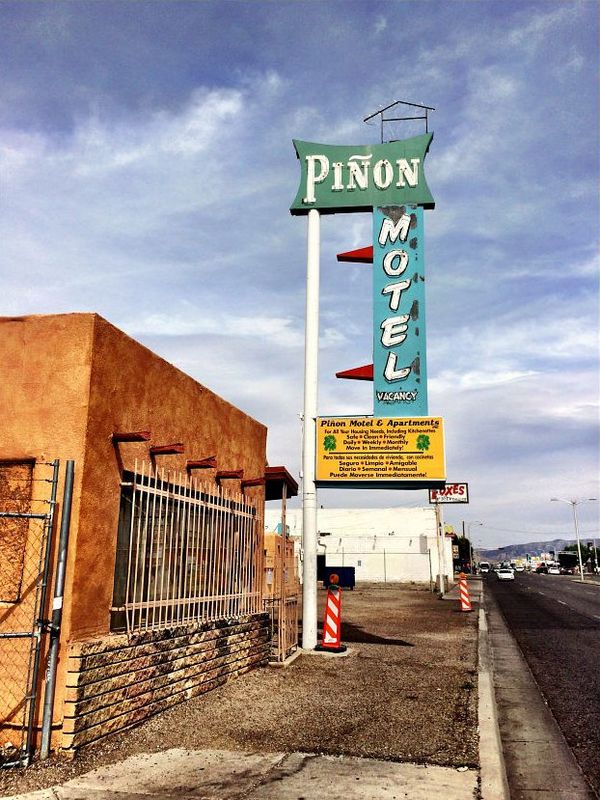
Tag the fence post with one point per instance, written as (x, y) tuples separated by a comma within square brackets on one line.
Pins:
[(41, 622), (57, 605)]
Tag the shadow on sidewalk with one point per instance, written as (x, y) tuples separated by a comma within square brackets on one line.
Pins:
[(355, 634)]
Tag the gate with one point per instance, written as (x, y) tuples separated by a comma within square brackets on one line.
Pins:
[(281, 592), (27, 507)]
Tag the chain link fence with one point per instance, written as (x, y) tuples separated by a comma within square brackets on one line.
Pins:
[(27, 502)]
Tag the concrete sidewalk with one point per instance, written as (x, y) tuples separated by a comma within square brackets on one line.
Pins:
[(539, 761), (224, 775)]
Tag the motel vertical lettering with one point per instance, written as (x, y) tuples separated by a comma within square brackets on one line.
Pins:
[(399, 350)]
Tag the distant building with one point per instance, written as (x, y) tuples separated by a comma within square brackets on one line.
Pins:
[(382, 544)]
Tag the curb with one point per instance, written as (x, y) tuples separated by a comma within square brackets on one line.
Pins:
[(494, 783)]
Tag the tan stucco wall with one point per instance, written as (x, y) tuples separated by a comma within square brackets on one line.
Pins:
[(67, 382), (45, 367), (131, 389)]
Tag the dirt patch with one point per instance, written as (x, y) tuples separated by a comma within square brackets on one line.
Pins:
[(408, 692)]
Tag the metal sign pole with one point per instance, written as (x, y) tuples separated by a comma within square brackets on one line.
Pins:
[(309, 490), (438, 530), (444, 567)]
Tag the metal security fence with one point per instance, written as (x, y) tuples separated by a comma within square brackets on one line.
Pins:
[(186, 553), (283, 626), (27, 507)]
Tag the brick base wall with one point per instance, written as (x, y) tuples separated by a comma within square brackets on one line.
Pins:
[(119, 681)]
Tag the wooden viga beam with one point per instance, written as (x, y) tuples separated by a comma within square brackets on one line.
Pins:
[(167, 449), (229, 474), (210, 462)]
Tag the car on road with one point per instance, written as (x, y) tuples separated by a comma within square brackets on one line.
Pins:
[(541, 568), (484, 567), (519, 568), (505, 574), (553, 570)]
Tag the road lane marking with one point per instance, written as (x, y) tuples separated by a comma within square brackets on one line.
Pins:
[(576, 610)]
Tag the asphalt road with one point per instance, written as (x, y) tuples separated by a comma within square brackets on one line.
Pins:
[(556, 622)]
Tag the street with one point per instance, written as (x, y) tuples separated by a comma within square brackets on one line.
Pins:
[(556, 622)]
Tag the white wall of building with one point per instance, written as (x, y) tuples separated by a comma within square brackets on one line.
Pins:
[(383, 544)]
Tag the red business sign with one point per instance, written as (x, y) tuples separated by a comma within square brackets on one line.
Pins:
[(451, 493)]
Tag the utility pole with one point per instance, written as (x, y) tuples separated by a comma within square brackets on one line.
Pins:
[(574, 504)]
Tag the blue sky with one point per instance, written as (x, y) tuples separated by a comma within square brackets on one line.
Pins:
[(148, 169)]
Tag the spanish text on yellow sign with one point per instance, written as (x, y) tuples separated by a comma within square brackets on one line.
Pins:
[(380, 449)]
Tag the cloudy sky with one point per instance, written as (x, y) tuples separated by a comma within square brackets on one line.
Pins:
[(148, 169)]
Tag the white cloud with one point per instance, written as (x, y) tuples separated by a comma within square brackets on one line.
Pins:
[(380, 26), (197, 322), (538, 25)]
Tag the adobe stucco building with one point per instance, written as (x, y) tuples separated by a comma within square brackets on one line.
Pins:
[(165, 471)]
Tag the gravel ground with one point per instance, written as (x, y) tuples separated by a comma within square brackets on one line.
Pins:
[(406, 692)]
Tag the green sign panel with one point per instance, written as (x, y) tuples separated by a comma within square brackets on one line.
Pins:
[(337, 178)]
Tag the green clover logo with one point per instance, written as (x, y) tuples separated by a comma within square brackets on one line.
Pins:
[(422, 442), (329, 442)]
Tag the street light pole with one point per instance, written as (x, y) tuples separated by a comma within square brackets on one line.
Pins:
[(469, 524), (573, 504)]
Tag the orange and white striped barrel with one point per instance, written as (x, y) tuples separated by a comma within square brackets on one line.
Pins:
[(463, 591), (332, 623)]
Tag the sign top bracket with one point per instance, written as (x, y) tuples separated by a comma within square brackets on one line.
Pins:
[(383, 119)]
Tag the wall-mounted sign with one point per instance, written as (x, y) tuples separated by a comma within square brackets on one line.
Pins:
[(399, 354), (358, 177), (451, 493), (379, 451)]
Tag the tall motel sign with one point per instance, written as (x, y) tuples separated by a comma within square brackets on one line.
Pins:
[(399, 446)]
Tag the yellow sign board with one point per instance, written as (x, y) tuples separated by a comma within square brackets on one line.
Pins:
[(380, 450)]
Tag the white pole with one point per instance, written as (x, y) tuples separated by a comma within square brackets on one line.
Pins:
[(309, 491), (439, 548), (574, 504), (445, 569)]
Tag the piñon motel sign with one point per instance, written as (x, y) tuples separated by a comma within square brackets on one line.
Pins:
[(389, 180)]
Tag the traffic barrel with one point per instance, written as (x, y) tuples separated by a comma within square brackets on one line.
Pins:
[(331, 641), (463, 590)]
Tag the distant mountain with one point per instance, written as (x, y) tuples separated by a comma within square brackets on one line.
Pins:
[(519, 550)]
